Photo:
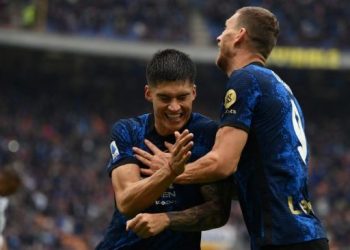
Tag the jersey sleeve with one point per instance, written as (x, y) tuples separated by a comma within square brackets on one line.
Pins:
[(120, 147), (240, 101)]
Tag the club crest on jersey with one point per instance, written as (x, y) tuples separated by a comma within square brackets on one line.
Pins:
[(114, 150), (230, 98)]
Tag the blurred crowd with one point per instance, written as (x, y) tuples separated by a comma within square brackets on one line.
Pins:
[(55, 119), (54, 130), (59, 149), (317, 23)]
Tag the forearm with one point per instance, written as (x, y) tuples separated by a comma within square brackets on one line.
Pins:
[(141, 194), (213, 213), (198, 218), (208, 168)]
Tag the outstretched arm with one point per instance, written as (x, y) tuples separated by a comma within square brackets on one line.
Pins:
[(220, 162), (217, 164), (212, 213)]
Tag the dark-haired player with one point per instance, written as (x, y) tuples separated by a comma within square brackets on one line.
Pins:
[(261, 139), (153, 213)]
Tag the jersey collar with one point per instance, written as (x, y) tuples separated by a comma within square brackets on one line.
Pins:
[(152, 129)]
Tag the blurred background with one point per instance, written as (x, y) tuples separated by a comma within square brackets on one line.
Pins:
[(70, 68)]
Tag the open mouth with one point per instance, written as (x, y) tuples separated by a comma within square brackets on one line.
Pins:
[(174, 117)]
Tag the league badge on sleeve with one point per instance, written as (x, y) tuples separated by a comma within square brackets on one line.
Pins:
[(114, 150), (230, 98)]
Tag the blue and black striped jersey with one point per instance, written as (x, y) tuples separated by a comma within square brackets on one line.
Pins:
[(128, 133), (272, 172)]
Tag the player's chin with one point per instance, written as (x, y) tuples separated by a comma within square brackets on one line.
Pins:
[(176, 125), (221, 62)]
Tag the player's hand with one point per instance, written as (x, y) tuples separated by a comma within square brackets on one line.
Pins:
[(154, 162), (147, 225), (180, 151), (178, 155)]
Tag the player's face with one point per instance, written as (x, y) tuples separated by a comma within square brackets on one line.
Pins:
[(226, 44), (172, 104)]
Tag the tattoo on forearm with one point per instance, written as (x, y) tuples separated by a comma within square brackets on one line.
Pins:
[(214, 212)]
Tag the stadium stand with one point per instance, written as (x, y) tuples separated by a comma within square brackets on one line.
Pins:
[(307, 23), (314, 23), (57, 107)]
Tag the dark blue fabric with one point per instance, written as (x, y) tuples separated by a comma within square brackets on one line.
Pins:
[(132, 132), (272, 172)]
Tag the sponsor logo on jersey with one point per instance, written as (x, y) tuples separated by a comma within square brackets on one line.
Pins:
[(230, 98), (165, 203), (304, 206), (168, 197), (114, 150), (230, 112)]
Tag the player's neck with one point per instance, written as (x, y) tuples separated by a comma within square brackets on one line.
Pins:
[(243, 59)]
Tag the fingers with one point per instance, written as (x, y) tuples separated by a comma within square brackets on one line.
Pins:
[(147, 171), (143, 160), (169, 146), (183, 152), (136, 223), (180, 154), (182, 140), (130, 224), (143, 232), (152, 147), (178, 165), (181, 149), (178, 137), (139, 225), (185, 158), (144, 154), (177, 133)]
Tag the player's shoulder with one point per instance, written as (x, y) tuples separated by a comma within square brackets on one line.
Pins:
[(253, 71), (257, 76), (200, 118), (129, 123), (202, 121), (243, 76)]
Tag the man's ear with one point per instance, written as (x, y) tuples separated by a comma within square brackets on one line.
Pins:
[(148, 94), (194, 91), (240, 35)]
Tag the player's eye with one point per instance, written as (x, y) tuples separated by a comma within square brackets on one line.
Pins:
[(182, 98), (164, 98)]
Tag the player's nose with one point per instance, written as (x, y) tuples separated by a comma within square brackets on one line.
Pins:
[(174, 106), (218, 40)]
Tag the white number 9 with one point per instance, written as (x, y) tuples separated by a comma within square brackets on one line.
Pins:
[(299, 131)]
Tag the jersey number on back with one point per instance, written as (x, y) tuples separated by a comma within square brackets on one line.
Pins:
[(299, 131)]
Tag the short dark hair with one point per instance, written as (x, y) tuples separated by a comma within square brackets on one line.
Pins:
[(262, 27), (170, 65)]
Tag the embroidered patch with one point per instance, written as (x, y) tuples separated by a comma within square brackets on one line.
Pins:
[(114, 150), (230, 98)]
